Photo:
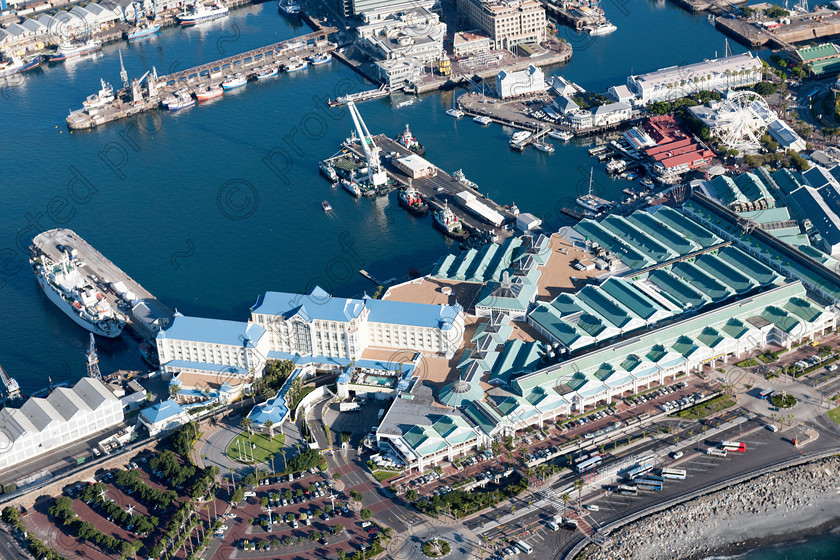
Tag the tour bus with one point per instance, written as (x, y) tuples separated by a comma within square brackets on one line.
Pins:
[(767, 393), (651, 476), (588, 464), (676, 474), (524, 547), (733, 446), (714, 451), (648, 484), (640, 470), (627, 489)]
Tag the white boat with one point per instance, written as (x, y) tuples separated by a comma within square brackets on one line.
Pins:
[(103, 97), (320, 58), (461, 178), (455, 113), (563, 135), (182, 99), (15, 64), (351, 187), (326, 206), (544, 147), (482, 120), (328, 171), (234, 82), (601, 29), (520, 136), (267, 72), (67, 50), (199, 13), (204, 93), (592, 203), (296, 64), (446, 221), (76, 296), (289, 8), (616, 165)]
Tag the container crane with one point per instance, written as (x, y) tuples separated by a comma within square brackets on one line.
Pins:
[(376, 175)]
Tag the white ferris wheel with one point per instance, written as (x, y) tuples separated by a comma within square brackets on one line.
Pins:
[(742, 119)]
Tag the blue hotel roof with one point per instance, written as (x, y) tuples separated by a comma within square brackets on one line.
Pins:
[(162, 411), (217, 331), (322, 306)]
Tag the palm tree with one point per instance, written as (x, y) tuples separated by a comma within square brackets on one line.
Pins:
[(269, 425), (579, 484), (566, 498)]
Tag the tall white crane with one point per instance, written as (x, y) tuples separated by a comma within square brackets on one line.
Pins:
[(376, 175)]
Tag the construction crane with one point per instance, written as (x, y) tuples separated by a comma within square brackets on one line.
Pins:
[(93, 361), (376, 175)]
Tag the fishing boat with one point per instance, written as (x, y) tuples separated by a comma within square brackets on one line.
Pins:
[(104, 96), (326, 206), (289, 8), (409, 142), (182, 99), (563, 135), (455, 113), (328, 171), (544, 147), (234, 82), (409, 198), (199, 13), (68, 50), (267, 72), (296, 64), (143, 30), (205, 93), (482, 120), (447, 222), (16, 65), (320, 58), (352, 187)]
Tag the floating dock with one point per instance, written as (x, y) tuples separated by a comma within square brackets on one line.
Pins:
[(145, 315)]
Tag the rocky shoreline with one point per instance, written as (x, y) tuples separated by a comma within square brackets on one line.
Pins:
[(765, 510)]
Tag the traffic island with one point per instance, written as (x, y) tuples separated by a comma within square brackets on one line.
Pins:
[(783, 400), (436, 548)]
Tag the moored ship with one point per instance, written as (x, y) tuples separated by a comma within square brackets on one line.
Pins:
[(266, 72), (75, 295), (16, 65), (205, 93), (409, 198), (66, 50), (328, 171), (409, 142), (199, 13), (234, 82), (604, 28), (296, 64), (320, 58), (143, 30), (447, 222), (352, 187), (592, 203), (289, 8)]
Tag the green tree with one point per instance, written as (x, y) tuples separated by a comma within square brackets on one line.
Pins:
[(365, 514)]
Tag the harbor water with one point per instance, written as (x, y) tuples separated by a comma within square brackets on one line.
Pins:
[(210, 206)]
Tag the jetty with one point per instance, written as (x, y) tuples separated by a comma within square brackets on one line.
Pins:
[(144, 312), (146, 93)]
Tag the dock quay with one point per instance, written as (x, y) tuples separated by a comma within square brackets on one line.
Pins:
[(576, 15), (438, 190), (379, 93), (145, 313), (695, 6), (801, 29), (133, 98)]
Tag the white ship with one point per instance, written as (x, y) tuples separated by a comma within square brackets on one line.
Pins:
[(455, 113), (199, 13), (461, 178), (592, 203), (544, 147), (563, 135), (351, 187), (101, 98), (482, 120), (520, 136), (74, 294)]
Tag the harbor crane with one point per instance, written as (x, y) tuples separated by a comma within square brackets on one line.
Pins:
[(376, 175), (93, 361)]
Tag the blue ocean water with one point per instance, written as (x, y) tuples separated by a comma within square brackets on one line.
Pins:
[(815, 548), (213, 205)]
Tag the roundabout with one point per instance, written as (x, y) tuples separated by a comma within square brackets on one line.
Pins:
[(783, 400), (436, 548)]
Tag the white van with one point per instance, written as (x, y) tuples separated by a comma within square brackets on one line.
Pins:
[(250, 494), (553, 526)]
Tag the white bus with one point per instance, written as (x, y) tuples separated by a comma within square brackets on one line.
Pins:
[(676, 474), (627, 489), (524, 547), (733, 446), (714, 451)]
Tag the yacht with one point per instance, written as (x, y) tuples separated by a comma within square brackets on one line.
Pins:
[(520, 136), (482, 120), (544, 147), (592, 203), (601, 29), (563, 135), (289, 8), (326, 206), (616, 165), (455, 113)]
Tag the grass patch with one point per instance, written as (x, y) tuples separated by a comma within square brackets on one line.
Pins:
[(834, 414), (263, 449), (381, 475), (707, 408), (783, 402), (747, 363)]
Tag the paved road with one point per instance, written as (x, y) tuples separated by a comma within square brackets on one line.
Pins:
[(10, 549)]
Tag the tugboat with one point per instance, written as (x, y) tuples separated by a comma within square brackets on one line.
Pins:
[(328, 171), (351, 187), (446, 221), (409, 198), (408, 141), (205, 93)]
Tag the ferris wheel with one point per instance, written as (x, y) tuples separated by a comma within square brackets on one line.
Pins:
[(742, 119)]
